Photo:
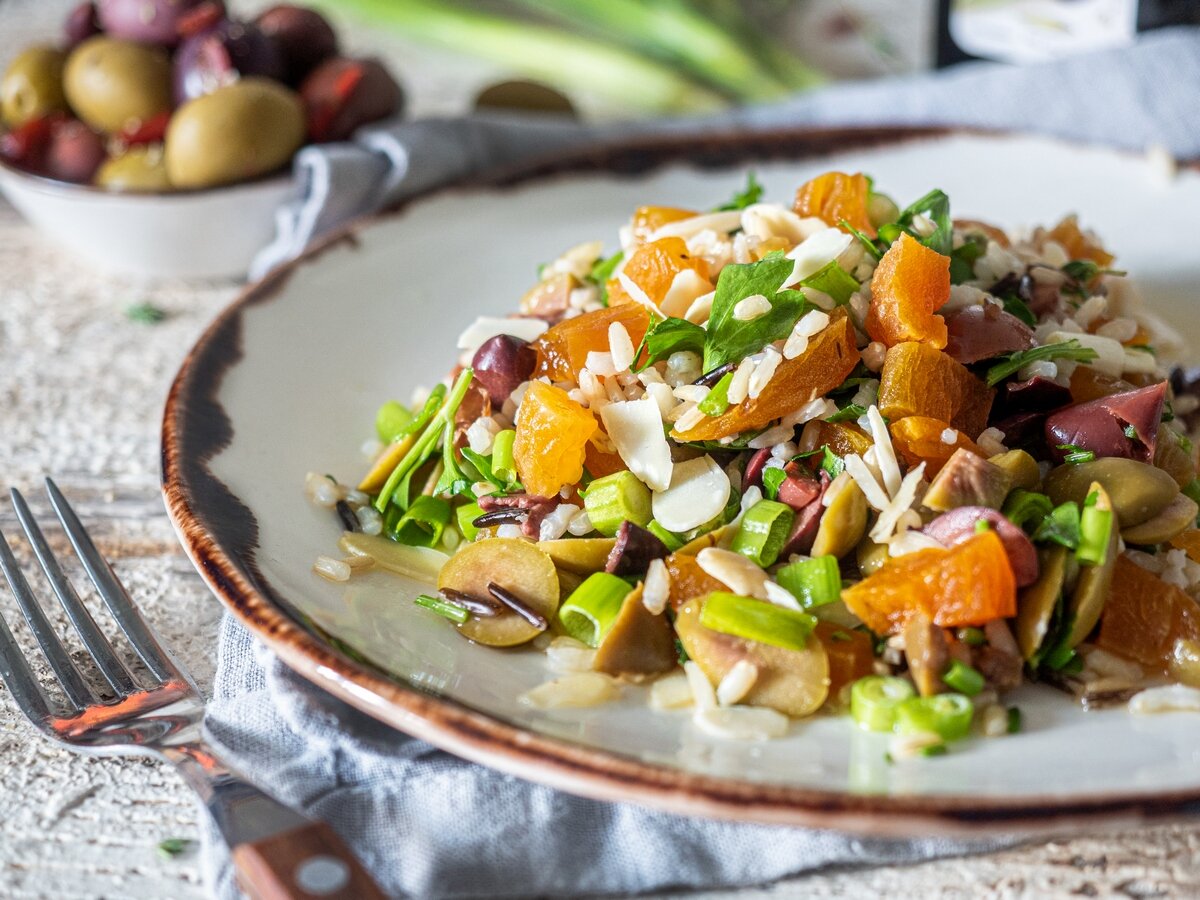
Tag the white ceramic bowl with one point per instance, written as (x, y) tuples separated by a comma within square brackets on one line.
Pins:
[(205, 234)]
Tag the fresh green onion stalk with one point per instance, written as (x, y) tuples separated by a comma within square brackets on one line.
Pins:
[(617, 498), (589, 613), (946, 715), (875, 699), (756, 620), (763, 531), (814, 582)]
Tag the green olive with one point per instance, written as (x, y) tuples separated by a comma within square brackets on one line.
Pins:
[(871, 556), (113, 85), (793, 682), (1095, 582), (1035, 606), (1139, 492), (1178, 517), (515, 565), (237, 132), (139, 170), (1172, 458), (843, 524), (1022, 469), (32, 86), (579, 556)]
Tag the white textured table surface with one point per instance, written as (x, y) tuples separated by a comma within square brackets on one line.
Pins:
[(81, 389)]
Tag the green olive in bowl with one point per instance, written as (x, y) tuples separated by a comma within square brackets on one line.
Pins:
[(115, 85), (32, 86), (240, 131), (139, 170)]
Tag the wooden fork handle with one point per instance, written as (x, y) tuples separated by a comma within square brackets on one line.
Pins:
[(307, 863)]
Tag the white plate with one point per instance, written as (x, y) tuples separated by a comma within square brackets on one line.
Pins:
[(288, 381)]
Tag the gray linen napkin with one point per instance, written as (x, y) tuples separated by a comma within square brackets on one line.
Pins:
[(430, 825)]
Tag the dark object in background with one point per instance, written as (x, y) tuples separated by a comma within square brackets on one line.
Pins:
[(525, 96), (303, 36), (341, 94), (81, 23), (1151, 14), (145, 21), (219, 55)]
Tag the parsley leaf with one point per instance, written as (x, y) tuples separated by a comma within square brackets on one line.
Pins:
[(731, 339), (833, 280), (145, 313), (935, 205), (1014, 362), (602, 271), (849, 413), (669, 336), (1076, 455), (1061, 526), (772, 478), (962, 259), (749, 195), (1015, 306), (867, 243)]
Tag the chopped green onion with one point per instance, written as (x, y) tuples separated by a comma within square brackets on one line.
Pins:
[(444, 608), (1095, 530), (670, 538), (814, 582), (972, 636), (172, 847), (145, 313), (763, 531), (422, 525), (934, 750), (1027, 508), (503, 466), (589, 613), (1076, 455), (1061, 526), (465, 517), (874, 700), (717, 400), (757, 620), (1014, 719), (1071, 349), (982, 525), (963, 678), (1060, 659), (946, 715), (617, 498), (392, 420)]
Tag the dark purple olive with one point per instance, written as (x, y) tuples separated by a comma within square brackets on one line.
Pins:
[(981, 332), (219, 55), (1036, 394), (752, 477), (81, 23), (144, 21), (73, 153), (341, 95), (501, 364), (304, 37), (799, 488), (958, 525), (633, 551), (1103, 425)]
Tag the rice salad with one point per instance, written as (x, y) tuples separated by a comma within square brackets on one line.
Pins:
[(836, 455)]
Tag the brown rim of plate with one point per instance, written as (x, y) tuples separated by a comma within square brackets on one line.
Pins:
[(195, 429)]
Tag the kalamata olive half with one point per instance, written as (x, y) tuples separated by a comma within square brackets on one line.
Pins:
[(80, 24), (74, 152), (144, 21), (981, 332), (959, 525), (633, 551), (340, 95), (501, 364), (303, 36), (1103, 425), (219, 55)]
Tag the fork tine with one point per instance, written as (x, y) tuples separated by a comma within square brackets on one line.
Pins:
[(101, 650), (72, 682), (15, 673), (129, 620)]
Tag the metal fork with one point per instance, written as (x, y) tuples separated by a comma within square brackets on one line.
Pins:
[(277, 852)]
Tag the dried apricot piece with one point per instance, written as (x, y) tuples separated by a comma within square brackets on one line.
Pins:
[(551, 442), (920, 439), (562, 350), (834, 197), (688, 580), (850, 654), (829, 359), (910, 284), (1145, 617), (600, 462), (971, 583), (842, 438), (648, 219), (919, 380), (1078, 243), (653, 268)]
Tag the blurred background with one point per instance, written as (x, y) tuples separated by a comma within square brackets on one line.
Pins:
[(645, 58)]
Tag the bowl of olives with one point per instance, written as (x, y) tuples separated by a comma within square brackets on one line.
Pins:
[(156, 137)]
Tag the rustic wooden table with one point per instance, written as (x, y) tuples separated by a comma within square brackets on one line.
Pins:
[(81, 390)]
